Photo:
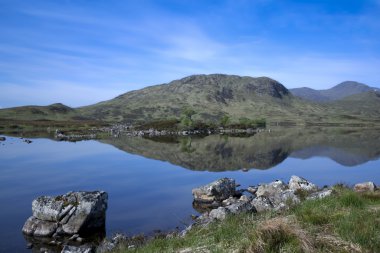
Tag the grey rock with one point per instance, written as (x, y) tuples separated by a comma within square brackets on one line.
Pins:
[(47, 208), (2, 138), (244, 198), (278, 193), (73, 237), (365, 187), (216, 191), (321, 194), (240, 207), (284, 199), (229, 201), (67, 214), (299, 183), (219, 214), (271, 189), (36, 227), (75, 249), (89, 213), (262, 204), (252, 190)]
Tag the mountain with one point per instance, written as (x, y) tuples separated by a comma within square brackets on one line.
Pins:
[(56, 111), (210, 98), (337, 92)]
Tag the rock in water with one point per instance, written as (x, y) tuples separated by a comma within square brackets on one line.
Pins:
[(365, 187), (216, 191), (75, 249), (299, 183), (2, 138), (72, 213)]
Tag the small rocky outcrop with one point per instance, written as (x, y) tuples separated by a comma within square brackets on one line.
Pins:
[(216, 191), (299, 183), (365, 187), (273, 196), (67, 218), (2, 138)]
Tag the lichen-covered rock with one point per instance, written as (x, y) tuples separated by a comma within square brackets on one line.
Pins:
[(240, 207), (47, 208), (262, 204), (218, 190), (284, 199), (321, 194), (219, 214), (365, 187), (271, 189), (89, 212), (299, 183), (278, 194), (72, 213), (39, 228)]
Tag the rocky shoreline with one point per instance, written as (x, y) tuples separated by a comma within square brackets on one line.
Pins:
[(61, 223), (127, 130)]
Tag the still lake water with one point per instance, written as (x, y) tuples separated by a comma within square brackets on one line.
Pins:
[(149, 181)]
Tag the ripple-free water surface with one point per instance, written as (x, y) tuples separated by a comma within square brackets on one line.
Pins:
[(149, 182)]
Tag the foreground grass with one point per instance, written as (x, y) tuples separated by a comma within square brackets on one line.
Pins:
[(345, 222)]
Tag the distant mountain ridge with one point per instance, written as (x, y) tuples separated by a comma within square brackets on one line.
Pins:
[(212, 97), (337, 92)]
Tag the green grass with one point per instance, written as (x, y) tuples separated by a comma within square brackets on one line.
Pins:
[(344, 222)]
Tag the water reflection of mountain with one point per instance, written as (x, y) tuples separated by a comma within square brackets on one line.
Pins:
[(261, 151)]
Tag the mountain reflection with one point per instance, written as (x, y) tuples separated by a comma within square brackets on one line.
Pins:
[(348, 147)]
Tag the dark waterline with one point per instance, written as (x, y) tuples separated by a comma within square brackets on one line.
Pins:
[(146, 194)]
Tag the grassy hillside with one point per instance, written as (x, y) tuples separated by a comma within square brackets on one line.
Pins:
[(210, 96), (208, 99), (58, 112)]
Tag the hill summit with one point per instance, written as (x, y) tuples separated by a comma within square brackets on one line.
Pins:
[(337, 92)]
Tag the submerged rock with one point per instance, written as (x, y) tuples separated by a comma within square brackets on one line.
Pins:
[(365, 187), (218, 190), (69, 214)]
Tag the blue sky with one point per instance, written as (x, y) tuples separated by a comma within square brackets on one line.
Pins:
[(81, 52)]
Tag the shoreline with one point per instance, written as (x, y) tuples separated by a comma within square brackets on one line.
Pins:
[(222, 201)]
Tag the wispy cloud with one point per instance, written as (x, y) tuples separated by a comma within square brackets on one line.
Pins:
[(82, 53)]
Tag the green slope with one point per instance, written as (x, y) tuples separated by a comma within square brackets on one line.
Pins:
[(211, 97), (57, 112)]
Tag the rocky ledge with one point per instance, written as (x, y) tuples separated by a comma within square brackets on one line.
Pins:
[(220, 198), (66, 218)]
